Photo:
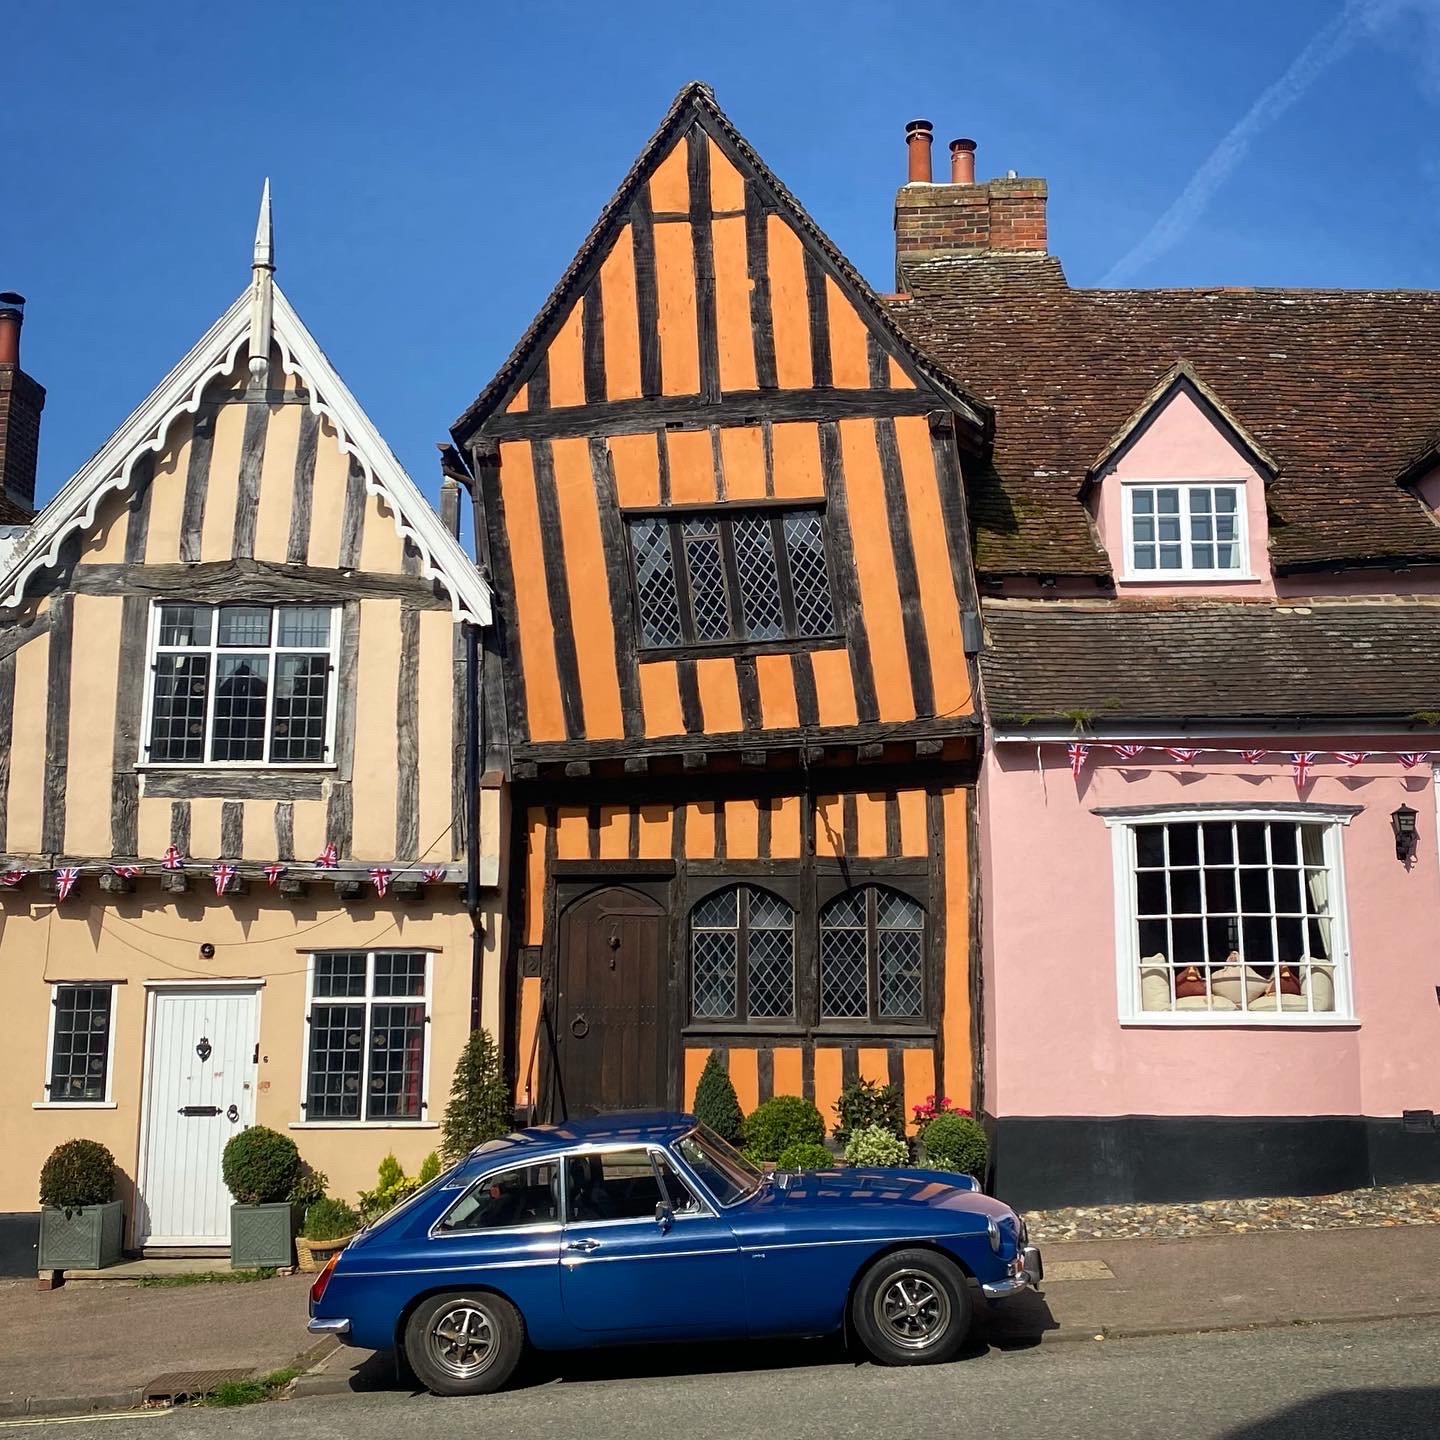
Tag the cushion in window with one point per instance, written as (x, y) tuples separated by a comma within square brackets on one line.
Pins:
[(1204, 1002), (1190, 983), (1320, 984), (1287, 1002), (1227, 981), (1154, 983)]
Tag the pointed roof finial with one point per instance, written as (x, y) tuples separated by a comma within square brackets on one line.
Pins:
[(262, 293)]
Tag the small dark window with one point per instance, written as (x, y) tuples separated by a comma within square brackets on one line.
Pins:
[(366, 1056), (80, 1053), (731, 577), (872, 956), (742, 956), (527, 1195)]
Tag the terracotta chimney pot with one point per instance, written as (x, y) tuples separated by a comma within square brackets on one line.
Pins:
[(918, 136), (962, 162)]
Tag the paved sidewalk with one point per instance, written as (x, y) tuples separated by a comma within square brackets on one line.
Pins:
[(102, 1344)]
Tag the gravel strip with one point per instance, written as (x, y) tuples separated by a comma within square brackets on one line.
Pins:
[(1387, 1205)]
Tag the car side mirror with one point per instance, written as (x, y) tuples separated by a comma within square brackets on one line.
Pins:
[(664, 1217)]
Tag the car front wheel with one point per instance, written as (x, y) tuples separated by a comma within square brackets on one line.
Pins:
[(911, 1308), (466, 1343)]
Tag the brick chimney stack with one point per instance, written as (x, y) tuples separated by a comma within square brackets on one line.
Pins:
[(965, 218), (21, 401)]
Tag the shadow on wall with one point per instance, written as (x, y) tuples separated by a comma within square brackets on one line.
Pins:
[(1343, 1414)]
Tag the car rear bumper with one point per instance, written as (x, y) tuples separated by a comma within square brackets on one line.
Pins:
[(1027, 1270), (318, 1326)]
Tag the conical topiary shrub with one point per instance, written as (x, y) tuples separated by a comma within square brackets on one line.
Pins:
[(716, 1103), (481, 1106)]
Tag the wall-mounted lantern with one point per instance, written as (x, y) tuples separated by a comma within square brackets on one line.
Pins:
[(1402, 822)]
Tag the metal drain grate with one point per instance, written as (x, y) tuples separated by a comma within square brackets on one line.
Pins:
[(181, 1385)]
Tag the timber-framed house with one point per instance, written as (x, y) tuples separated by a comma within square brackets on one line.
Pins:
[(244, 871), (722, 508)]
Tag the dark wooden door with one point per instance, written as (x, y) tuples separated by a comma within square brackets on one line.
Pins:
[(610, 1004)]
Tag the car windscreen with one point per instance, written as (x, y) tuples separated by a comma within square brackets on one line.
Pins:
[(727, 1174)]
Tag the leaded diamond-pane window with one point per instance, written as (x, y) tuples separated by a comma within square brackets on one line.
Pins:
[(80, 1047), (742, 956), (872, 956), (241, 685), (744, 575), (366, 1053)]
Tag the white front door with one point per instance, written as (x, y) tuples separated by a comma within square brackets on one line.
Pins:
[(200, 1090)]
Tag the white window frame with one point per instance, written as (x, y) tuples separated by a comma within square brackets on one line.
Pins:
[(1186, 571), (1127, 944), (369, 999), (107, 1102), (214, 649)]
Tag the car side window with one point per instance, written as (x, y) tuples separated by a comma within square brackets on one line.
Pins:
[(614, 1185), (682, 1198), (527, 1195)]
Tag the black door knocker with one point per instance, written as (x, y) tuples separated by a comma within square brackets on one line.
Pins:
[(614, 943), (203, 1049), (579, 1027), (233, 1114)]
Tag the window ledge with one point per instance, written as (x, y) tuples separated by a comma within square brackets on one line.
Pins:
[(1229, 1020), (1183, 577), (363, 1125), (75, 1105)]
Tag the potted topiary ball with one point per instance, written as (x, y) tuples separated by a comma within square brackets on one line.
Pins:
[(81, 1221), (260, 1167)]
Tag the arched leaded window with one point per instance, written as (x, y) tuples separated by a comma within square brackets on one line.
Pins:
[(742, 956), (872, 956)]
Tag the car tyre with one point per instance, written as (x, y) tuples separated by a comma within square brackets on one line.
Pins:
[(911, 1307), (464, 1343)]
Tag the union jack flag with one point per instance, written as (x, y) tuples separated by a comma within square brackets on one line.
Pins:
[(1078, 754), (173, 860), (126, 872), (224, 876), (65, 878), (274, 872), (1183, 756), (1253, 757), (1350, 757), (1129, 752), (1301, 762), (381, 876), (1410, 759), (11, 878), (434, 877), (327, 859)]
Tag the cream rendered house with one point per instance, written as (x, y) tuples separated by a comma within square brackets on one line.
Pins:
[(235, 808)]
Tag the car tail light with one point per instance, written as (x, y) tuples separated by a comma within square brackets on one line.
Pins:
[(317, 1290)]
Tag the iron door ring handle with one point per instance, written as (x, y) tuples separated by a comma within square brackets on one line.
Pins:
[(233, 1114), (579, 1027)]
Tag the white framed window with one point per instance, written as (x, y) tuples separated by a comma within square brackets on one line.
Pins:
[(1234, 917), (1189, 530), (241, 685), (81, 1049), (367, 1036)]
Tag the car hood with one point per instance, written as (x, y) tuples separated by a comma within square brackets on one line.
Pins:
[(829, 1189)]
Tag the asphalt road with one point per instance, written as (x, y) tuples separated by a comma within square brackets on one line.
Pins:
[(1320, 1383)]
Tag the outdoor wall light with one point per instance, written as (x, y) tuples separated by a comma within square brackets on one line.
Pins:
[(1402, 822)]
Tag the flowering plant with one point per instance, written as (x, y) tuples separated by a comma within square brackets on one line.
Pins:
[(932, 1107)]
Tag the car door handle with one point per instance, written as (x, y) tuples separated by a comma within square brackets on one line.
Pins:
[(584, 1246)]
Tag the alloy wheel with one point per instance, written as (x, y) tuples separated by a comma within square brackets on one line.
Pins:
[(912, 1309)]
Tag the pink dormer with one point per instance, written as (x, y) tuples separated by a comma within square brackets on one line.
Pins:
[(1178, 497)]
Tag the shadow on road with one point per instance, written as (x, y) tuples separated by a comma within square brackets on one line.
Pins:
[(1017, 1325), (1409, 1414)]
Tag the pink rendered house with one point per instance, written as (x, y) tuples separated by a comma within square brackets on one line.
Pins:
[(1206, 541)]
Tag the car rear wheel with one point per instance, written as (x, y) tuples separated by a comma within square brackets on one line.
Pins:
[(911, 1308), (465, 1343)]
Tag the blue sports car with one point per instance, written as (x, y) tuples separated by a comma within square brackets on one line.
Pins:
[(630, 1227)]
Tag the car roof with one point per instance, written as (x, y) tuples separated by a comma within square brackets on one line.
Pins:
[(635, 1127)]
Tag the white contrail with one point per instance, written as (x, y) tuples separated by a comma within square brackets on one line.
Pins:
[(1328, 46)]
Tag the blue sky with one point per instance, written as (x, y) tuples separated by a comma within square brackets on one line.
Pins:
[(435, 165)]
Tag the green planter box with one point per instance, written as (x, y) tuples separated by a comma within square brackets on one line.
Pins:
[(262, 1237), (84, 1239)]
